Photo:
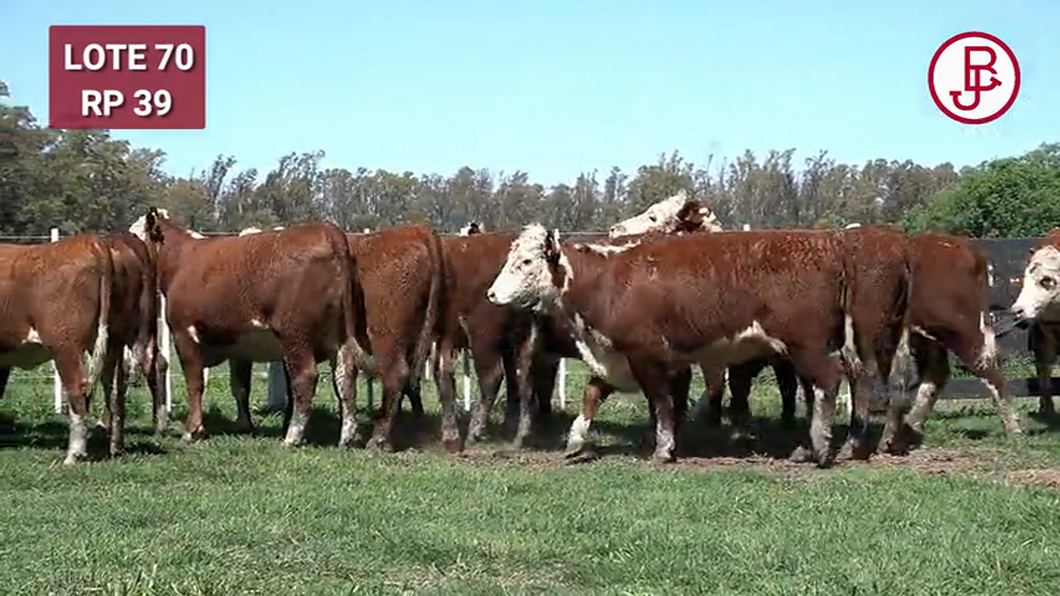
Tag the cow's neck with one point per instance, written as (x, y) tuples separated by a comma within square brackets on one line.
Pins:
[(168, 252), (586, 294)]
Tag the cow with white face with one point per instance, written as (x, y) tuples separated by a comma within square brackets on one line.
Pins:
[(677, 214), (640, 315), (1039, 298)]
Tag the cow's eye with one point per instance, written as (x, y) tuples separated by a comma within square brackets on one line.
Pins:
[(1048, 283), (653, 218), (526, 262)]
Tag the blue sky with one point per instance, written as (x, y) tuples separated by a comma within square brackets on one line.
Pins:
[(555, 87)]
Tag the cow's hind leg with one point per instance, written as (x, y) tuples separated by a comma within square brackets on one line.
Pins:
[(933, 367), (344, 381), (239, 372), (72, 375), (446, 383), (825, 372), (191, 362), (117, 407), (393, 377), (788, 386), (302, 372)]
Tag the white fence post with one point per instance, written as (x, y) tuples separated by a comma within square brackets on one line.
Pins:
[(164, 340), (562, 384), (57, 383), (747, 227)]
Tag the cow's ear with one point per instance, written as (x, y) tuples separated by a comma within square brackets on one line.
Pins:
[(152, 226), (690, 216)]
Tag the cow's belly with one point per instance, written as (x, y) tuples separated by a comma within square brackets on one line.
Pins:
[(29, 354), (256, 345)]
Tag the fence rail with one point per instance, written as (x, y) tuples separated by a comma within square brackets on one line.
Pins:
[(1005, 258)]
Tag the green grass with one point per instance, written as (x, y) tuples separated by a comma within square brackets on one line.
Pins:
[(242, 515)]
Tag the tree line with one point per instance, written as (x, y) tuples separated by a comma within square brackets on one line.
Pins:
[(86, 180)]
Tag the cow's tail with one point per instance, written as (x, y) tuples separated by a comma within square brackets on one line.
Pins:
[(903, 367), (352, 296), (435, 300), (989, 356), (848, 298), (97, 359)]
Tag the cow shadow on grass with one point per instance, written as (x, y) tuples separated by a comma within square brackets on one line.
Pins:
[(54, 435)]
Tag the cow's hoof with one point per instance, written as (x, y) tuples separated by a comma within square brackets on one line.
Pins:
[(244, 427), (452, 445), (801, 455), (379, 444), (195, 435), (664, 457), (73, 458), (825, 460)]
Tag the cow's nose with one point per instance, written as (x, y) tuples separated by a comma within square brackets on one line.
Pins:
[(491, 295), (614, 230)]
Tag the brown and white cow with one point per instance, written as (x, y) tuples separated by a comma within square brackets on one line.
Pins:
[(642, 314), (1043, 331), (57, 304), (947, 312), (133, 335), (500, 339), (681, 214), (402, 273), (285, 294)]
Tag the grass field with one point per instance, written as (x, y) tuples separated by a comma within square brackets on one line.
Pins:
[(971, 513)]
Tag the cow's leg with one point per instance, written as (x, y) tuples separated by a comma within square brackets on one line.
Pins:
[(191, 362), (933, 367), (596, 392), (741, 376), (5, 374), (788, 385), (414, 392), (72, 375), (155, 369), (395, 373), (489, 366), (656, 383), (117, 406), (239, 385), (543, 372), (344, 374), (111, 363), (1042, 342), (303, 375), (825, 372), (982, 359), (446, 384), (709, 406), (680, 385), (524, 356)]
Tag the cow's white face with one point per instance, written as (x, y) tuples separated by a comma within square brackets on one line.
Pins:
[(668, 216), (526, 280), (1040, 293)]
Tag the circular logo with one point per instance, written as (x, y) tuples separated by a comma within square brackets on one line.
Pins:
[(974, 77)]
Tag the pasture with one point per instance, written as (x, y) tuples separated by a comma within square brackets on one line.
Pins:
[(971, 513)]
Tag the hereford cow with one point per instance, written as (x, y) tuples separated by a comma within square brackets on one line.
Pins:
[(402, 273), (947, 312), (641, 314), (57, 304), (1043, 331), (681, 214), (133, 335), (286, 294), (500, 339)]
